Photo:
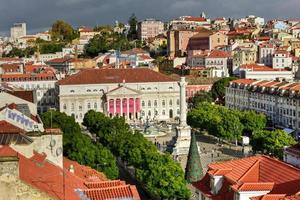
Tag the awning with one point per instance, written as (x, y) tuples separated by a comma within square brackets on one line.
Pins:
[(288, 130)]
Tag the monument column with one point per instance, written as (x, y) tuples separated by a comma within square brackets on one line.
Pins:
[(183, 136), (182, 84)]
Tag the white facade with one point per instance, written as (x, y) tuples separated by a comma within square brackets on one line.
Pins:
[(280, 106), (291, 155), (18, 30), (282, 60), (150, 28), (265, 75), (158, 100), (44, 91), (265, 54)]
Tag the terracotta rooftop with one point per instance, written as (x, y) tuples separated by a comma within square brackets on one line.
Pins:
[(218, 54), (102, 76), (62, 184), (6, 127), (256, 173), (255, 67)]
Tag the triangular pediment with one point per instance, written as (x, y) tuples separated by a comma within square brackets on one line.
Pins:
[(123, 90)]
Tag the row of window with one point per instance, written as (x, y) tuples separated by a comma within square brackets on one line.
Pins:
[(80, 107), (155, 103)]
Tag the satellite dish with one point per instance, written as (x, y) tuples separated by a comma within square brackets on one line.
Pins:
[(52, 143), (58, 151)]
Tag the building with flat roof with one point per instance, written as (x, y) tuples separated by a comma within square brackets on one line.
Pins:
[(17, 30)]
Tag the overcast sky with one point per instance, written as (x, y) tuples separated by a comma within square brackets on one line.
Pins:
[(40, 14)]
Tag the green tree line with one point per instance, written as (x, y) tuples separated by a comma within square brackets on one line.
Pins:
[(229, 124), (160, 174), (80, 147)]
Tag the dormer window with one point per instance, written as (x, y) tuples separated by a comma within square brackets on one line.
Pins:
[(72, 91)]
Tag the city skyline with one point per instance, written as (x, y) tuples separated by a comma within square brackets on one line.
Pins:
[(92, 12)]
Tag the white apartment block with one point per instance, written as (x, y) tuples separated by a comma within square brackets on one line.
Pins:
[(279, 100), (265, 54), (282, 59), (149, 28), (18, 30), (43, 83)]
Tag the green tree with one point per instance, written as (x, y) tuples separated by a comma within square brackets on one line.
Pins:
[(162, 176), (271, 142), (199, 97), (103, 43), (132, 33), (16, 52), (80, 147), (218, 88), (253, 121), (63, 31)]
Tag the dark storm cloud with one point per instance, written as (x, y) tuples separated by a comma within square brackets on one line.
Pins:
[(40, 14)]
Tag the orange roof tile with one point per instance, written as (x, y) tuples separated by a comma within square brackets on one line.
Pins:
[(102, 76)]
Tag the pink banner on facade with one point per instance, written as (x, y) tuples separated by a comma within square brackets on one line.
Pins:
[(111, 106), (137, 104), (118, 106), (124, 105), (131, 105)]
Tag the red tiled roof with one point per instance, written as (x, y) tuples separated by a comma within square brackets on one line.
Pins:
[(62, 184), (6, 151), (122, 191), (256, 174), (26, 95), (11, 67), (218, 54), (6, 127), (255, 67), (195, 19), (244, 81), (102, 76)]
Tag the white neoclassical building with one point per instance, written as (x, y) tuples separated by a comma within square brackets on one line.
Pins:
[(136, 94)]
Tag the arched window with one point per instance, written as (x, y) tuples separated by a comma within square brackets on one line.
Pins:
[(72, 107), (170, 102), (65, 107), (149, 103), (149, 113), (163, 112), (163, 103), (177, 102), (72, 91), (80, 107), (143, 113), (143, 103), (155, 103), (89, 106)]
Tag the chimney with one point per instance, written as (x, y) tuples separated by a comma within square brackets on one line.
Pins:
[(71, 169)]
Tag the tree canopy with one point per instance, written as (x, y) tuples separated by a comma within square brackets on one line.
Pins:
[(63, 31), (223, 122), (105, 42), (80, 147), (271, 142), (16, 52), (132, 33), (218, 88), (199, 97), (162, 176)]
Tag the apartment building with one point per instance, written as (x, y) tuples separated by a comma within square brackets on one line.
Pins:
[(279, 100), (149, 28), (265, 53)]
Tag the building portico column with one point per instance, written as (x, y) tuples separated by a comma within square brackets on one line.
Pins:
[(127, 103), (134, 109), (115, 107)]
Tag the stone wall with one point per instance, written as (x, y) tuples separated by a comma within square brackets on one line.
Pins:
[(12, 188)]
